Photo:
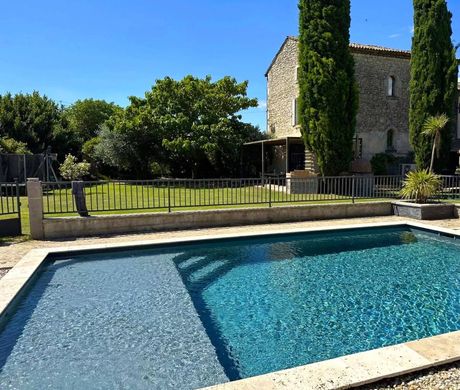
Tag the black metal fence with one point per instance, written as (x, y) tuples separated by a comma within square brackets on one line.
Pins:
[(10, 209), (113, 196)]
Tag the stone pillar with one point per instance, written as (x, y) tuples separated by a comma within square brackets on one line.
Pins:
[(302, 182), (35, 197), (310, 162)]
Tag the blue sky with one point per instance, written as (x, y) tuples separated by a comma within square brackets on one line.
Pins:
[(112, 49)]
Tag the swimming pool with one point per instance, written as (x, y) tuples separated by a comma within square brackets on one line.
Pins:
[(192, 315)]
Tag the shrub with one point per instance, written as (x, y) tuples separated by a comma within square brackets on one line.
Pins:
[(380, 163), (420, 186), (70, 169), (159, 170), (89, 149)]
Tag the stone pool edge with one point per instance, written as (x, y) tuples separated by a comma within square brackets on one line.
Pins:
[(339, 373), (360, 368)]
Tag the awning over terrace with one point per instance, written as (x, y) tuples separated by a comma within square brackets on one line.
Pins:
[(286, 142)]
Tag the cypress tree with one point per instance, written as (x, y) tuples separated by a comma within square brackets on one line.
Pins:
[(328, 98), (433, 85)]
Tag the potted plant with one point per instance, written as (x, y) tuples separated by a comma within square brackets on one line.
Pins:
[(420, 186), (423, 186)]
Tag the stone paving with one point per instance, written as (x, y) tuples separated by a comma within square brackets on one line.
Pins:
[(447, 377)]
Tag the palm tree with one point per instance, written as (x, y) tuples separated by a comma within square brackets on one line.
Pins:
[(433, 127)]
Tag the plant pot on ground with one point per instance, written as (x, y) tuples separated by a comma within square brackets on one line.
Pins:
[(419, 191)]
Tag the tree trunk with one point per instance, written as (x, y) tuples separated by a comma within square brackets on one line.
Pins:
[(432, 156)]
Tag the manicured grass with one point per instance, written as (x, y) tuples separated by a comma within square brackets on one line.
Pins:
[(106, 199), (455, 201), (115, 196)]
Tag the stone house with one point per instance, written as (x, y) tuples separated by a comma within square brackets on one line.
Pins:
[(382, 75)]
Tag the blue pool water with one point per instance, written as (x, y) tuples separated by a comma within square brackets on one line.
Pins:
[(195, 315)]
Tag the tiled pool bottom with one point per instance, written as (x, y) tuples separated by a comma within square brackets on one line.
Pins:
[(112, 321), (125, 320)]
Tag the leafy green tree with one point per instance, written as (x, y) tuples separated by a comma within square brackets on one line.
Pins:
[(328, 99), (130, 140), (65, 140), (433, 83), (30, 119), (86, 116), (191, 128), (202, 128), (81, 122)]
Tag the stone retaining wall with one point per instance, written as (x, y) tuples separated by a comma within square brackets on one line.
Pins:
[(53, 228)]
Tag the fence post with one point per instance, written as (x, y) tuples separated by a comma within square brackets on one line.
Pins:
[(169, 197), (18, 202), (35, 197), (269, 192), (353, 184)]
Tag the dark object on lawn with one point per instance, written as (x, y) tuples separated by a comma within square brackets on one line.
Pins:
[(78, 191)]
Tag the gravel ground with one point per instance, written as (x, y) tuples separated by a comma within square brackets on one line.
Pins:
[(3, 271), (441, 378)]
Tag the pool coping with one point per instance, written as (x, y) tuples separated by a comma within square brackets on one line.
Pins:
[(339, 373)]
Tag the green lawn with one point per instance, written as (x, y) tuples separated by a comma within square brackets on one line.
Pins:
[(109, 198), (134, 198)]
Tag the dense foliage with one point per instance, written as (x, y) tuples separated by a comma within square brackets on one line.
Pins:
[(186, 128), (433, 77), (29, 118), (32, 122), (328, 92), (381, 162), (10, 145), (80, 123)]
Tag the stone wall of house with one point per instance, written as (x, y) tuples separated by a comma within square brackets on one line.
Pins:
[(378, 112), (282, 89)]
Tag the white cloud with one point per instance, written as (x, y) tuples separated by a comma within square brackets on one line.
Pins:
[(262, 104), (393, 36)]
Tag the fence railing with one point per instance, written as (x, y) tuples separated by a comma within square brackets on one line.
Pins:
[(10, 209), (111, 196), (9, 198), (130, 195)]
